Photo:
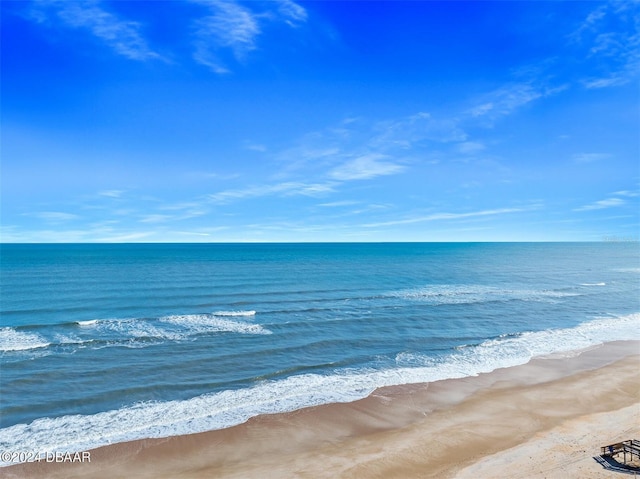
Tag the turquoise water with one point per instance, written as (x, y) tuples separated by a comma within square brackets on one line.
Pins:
[(106, 343)]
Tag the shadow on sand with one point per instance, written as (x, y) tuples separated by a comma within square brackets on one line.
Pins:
[(610, 464)]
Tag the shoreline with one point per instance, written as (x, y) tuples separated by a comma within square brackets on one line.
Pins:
[(420, 430)]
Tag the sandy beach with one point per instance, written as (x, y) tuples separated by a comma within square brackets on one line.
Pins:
[(545, 419)]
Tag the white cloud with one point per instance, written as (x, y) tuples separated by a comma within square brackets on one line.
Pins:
[(590, 157), (155, 218), (602, 204), (236, 28), (111, 193), (588, 24), (612, 80), (255, 147), (193, 211), (292, 13), (470, 147), (335, 204), (357, 149), (365, 167), (630, 194), (612, 38), (405, 132), (481, 110), (123, 36), (231, 26), (314, 150), (446, 216), (54, 216), (279, 189), (507, 99), (211, 175), (124, 237)]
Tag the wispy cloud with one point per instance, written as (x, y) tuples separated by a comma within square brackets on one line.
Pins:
[(405, 132), (602, 204), (336, 204), (236, 28), (231, 26), (590, 157), (54, 216), (194, 211), (155, 218), (470, 147), (358, 149), (589, 23), (365, 167), (316, 150), (446, 216), (508, 98), (211, 175), (627, 193), (255, 147), (111, 193), (292, 13), (125, 237), (606, 43), (611, 35), (279, 189), (123, 36)]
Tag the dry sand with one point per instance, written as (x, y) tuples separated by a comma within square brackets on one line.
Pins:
[(546, 419)]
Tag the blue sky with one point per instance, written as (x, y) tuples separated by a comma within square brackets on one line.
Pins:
[(320, 121)]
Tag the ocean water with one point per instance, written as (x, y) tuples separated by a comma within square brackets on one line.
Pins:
[(106, 343)]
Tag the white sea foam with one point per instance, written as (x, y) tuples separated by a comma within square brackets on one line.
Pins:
[(593, 284), (234, 313), (465, 294), (202, 323), (176, 327), (228, 408), (12, 340), (132, 331), (90, 322)]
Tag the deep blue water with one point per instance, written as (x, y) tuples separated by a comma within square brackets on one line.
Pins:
[(104, 343)]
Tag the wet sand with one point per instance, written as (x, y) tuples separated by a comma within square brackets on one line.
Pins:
[(547, 418)]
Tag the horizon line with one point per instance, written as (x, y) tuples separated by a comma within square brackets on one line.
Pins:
[(606, 239)]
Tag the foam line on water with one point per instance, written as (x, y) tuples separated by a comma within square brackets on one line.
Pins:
[(627, 270), (234, 313), (466, 294), (231, 407)]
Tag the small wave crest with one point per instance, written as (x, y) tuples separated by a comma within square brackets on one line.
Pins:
[(12, 340), (593, 284), (175, 327), (202, 323), (90, 322), (129, 332)]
